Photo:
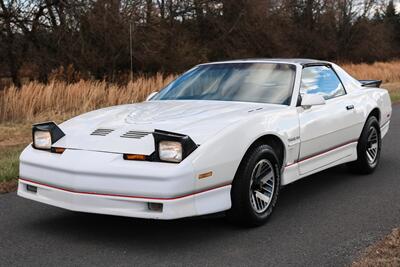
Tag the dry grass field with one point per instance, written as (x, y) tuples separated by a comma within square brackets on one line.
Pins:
[(388, 72), (58, 100)]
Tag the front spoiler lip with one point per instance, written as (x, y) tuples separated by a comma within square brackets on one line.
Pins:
[(124, 196)]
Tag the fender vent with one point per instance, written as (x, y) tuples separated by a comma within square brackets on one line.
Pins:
[(101, 132), (135, 134)]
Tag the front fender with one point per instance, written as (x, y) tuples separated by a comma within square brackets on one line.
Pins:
[(223, 153)]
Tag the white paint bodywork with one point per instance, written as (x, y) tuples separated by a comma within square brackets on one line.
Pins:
[(92, 176)]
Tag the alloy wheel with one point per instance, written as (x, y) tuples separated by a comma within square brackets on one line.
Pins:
[(262, 186), (372, 146)]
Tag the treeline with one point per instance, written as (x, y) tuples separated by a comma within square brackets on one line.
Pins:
[(93, 37)]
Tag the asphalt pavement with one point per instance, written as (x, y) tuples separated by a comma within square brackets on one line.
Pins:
[(327, 219)]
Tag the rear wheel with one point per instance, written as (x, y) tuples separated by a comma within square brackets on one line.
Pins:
[(368, 148), (255, 188)]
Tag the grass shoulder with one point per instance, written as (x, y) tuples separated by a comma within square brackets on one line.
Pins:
[(13, 139), (9, 161), (384, 253)]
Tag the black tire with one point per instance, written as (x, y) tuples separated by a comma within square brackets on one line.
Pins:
[(363, 164), (242, 211)]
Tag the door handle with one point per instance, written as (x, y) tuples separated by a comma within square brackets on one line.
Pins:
[(350, 107)]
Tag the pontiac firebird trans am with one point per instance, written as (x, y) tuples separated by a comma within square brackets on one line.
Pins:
[(224, 136)]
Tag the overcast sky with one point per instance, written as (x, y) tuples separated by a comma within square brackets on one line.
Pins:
[(383, 6), (397, 3)]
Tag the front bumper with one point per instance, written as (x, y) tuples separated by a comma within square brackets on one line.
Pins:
[(204, 202), (98, 182)]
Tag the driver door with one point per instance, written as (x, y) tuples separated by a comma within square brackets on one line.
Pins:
[(325, 130)]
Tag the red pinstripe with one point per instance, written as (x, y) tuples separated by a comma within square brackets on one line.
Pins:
[(125, 196), (322, 152)]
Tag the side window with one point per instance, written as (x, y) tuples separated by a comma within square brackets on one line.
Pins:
[(321, 80)]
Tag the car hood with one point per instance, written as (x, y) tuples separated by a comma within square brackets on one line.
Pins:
[(128, 128)]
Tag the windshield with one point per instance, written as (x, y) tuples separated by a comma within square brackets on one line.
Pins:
[(247, 82)]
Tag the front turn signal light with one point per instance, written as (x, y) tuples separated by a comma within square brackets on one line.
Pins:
[(134, 157), (58, 150)]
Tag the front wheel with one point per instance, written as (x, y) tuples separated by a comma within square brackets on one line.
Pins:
[(368, 148), (255, 187)]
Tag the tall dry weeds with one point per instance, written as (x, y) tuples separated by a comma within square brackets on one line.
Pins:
[(58, 100), (388, 72), (61, 100)]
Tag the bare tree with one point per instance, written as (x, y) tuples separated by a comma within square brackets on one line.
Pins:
[(92, 36)]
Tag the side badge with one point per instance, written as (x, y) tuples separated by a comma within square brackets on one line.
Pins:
[(205, 175), (293, 138)]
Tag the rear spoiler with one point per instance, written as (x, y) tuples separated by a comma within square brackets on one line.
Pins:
[(370, 83)]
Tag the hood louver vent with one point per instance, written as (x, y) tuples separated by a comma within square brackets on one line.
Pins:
[(101, 132), (135, 134)]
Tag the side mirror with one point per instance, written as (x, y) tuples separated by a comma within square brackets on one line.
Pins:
[(308, 101), (151, 96)]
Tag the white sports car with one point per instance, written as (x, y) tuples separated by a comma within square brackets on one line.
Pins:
[(224, 136)]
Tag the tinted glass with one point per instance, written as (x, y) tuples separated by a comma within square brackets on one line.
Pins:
[(248, 82), (321, 80)]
